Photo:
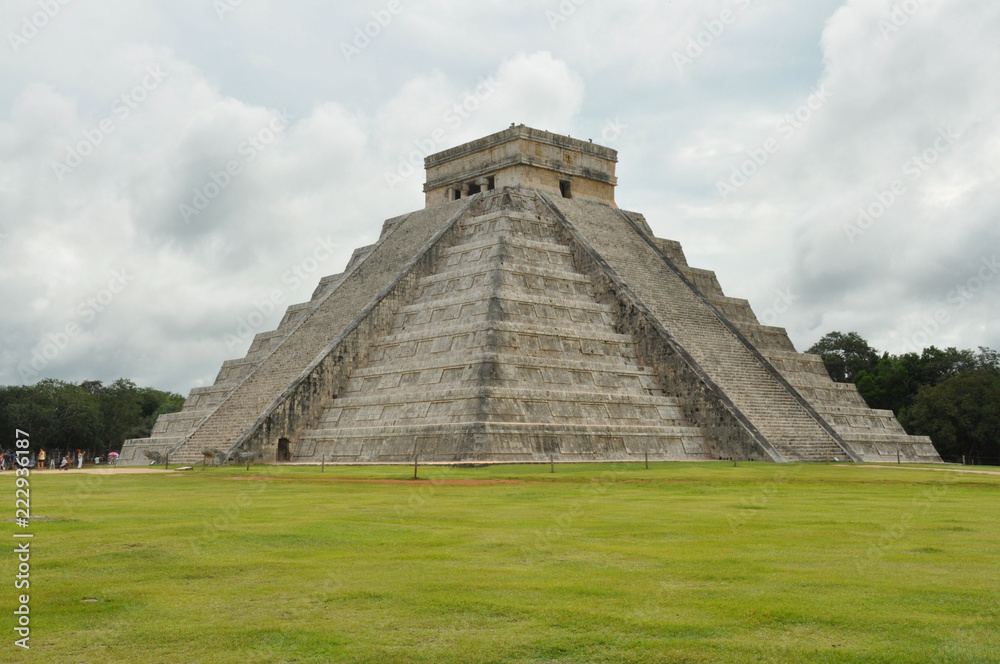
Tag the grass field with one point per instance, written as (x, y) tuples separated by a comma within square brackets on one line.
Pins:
[(611, 563)]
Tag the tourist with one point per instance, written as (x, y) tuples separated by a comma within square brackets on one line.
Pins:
[(64, 464), (41, 459), (79, 459)]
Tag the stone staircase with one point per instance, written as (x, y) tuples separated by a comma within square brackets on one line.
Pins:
[(504, 353), (795, 433), (875, 435), (170, 430), (173, 433)]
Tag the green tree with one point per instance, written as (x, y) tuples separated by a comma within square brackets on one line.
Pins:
[(57, 415), (122, 412), (961, 415), (89, 416), (845, 355), (893, 383)]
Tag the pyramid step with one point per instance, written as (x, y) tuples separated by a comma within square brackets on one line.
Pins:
[(505, 294), (326, 284), (484, 327), (506, 247), (493, 270), (539, 428), (462, 359), (505, 220), (513, 441), (515, 375), (504, 238), (432, 394)]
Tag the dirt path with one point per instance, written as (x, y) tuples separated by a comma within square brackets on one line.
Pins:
[(940, 470), (358, 480), (103, 471)]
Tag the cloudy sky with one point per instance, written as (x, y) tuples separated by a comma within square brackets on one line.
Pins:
[(835, 162)]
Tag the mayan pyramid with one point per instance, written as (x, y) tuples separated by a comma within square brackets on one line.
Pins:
[(522, 316)]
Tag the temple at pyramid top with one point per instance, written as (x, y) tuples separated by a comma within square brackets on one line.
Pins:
[(522, 156)]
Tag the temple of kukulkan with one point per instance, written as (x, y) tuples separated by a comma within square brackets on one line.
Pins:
[(521, 316)]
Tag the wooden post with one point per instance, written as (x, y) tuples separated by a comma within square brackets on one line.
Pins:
[(963, 459), (415, 460), (322, 467), (166, 462), (552, 464), (899, 460), (647, 459)]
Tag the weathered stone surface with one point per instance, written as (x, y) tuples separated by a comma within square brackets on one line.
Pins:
[(522, 156), (529, 321)]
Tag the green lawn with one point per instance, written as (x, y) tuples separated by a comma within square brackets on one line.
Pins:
[(610, 563)]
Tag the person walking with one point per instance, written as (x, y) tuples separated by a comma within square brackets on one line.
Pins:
[(41, 459), (64, 464)]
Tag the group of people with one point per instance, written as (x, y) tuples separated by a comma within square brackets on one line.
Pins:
[(64, 464), (8, 460)]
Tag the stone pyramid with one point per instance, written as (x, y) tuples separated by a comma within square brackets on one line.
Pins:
[(522, 316)]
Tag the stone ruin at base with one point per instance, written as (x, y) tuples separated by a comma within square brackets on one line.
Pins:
[(522, 316)]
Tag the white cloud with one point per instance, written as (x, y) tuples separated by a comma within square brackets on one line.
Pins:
[(325, 173), (210, 203)]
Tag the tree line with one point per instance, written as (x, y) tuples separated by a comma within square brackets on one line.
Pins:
[(951, 395), (88, 416)]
